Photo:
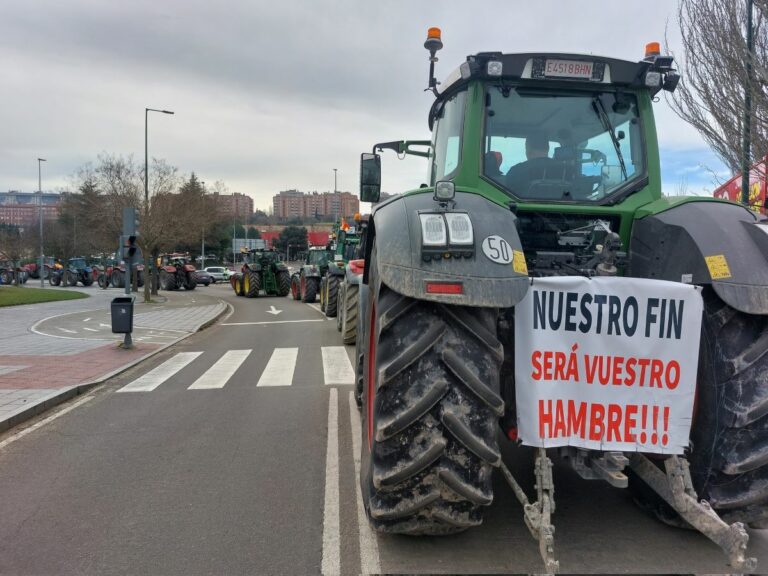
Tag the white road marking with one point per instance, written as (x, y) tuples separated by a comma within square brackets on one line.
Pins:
[(331, 563), (269, 322), (280, 368), (369, 545), (160, 374), (219, 374), (337, 369), (317, 307), (42, 423), (86, 320), (90, 329), (273, 310), (105, 325), (67, 331)]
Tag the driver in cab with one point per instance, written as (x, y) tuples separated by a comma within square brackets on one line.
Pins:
[(537, 166)]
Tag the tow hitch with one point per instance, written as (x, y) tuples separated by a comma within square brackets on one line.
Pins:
[(673, 484)]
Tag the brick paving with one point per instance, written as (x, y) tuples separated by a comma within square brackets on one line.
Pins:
[(37, 368)]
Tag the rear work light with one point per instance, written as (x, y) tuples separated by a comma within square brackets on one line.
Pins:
[(459, 228), (433, 230), (444, 288)]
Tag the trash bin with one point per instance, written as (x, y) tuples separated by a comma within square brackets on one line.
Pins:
[(122, 315)]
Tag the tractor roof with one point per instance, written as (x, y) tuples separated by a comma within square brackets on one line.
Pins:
[(536, 66)]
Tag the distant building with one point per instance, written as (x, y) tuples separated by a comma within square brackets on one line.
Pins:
[(326, 205), (23, 208), (235, 205)]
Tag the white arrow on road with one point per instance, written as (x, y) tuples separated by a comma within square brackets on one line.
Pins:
[(273, 310)]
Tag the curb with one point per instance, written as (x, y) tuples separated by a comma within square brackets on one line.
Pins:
[(65, 394)]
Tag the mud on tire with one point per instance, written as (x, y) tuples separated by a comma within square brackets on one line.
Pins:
[(434, 414), (729, 435)]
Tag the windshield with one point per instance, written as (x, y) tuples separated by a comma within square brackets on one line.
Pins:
[(561, 146), (446, 140), (318, 257), (77, 263)]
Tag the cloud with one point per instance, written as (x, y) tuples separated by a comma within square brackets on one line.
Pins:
[(267, 95)]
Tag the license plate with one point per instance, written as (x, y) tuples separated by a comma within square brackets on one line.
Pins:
[(568, 69)]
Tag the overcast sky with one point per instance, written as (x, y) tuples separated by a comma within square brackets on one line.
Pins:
[(271, 95)]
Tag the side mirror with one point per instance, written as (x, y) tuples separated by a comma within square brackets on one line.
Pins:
[(370, 177)]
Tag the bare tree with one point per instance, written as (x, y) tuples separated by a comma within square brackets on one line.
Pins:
[(173, 214), (714, 72)]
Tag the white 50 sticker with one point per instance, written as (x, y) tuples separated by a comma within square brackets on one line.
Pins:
[(497, 249)]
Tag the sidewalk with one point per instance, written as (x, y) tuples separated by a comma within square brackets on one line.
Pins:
[(52, 351)]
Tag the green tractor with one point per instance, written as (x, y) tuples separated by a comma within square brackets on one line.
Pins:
[(545, 167), (346, 242), (262, 270), (305, 284), (349, 287)]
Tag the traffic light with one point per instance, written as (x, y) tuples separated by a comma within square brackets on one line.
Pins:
[(129, 247), (130, 233)]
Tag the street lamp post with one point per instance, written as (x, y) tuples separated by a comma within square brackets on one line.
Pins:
[(202, 255), (150, 280), (40, 214)]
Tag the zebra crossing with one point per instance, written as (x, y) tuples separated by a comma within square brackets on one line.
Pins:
[(279, 370)]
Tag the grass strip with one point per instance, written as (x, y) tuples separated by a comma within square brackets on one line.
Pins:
[(15, 296)]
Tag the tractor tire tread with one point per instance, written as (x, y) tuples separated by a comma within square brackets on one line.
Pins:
[(431, 460), (332, 295), (349, 320)]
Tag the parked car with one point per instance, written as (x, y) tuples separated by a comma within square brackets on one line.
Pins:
[(202, 277), (218, 273)]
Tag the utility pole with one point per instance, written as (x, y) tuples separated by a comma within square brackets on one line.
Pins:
[(40, 214), (234, 231), (202, 255), (747, 120), (150, 269)]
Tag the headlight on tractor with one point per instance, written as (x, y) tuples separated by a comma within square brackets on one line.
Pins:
[(433, 230), (459, 229)]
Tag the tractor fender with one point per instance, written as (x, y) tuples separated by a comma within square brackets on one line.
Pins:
[(485, 282), (351, 276), (706, 243), (334, 270)]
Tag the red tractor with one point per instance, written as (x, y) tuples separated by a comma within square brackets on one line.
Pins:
[(176, 272)]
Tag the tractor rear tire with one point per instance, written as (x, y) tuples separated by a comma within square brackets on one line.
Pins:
[(70, 278), (54, 279), (331, 296), (102, 280), (310, 290), (117, 279), (283, 283), (430, 413), (729, 435), (323, 294), (190, 283), (295, 287), (87, 280), (253, 284), (349, 314), (340, 304)]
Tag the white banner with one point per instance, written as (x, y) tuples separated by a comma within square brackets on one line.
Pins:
[(607, 363)]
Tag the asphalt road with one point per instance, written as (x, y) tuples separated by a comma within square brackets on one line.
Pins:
[(232, 452)]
